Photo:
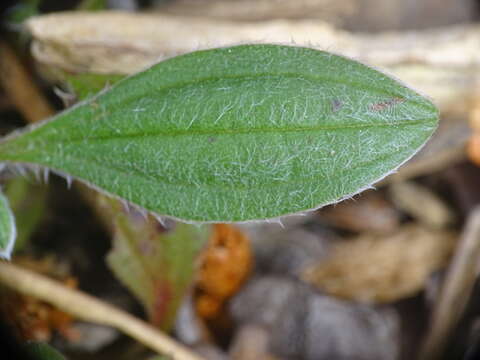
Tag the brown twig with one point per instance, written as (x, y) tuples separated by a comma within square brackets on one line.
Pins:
[(5, 103), (20, 88), (456, 289), (88, 308)]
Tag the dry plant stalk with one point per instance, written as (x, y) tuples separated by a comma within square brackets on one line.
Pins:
[(352, 14), (456, 289), (19, 87), (254, 10), (88, 308), (439, 62), (473, 147)]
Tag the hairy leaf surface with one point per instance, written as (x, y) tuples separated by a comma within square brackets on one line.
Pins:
[(235, 134)]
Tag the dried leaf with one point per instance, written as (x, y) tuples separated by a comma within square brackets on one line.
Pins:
[(225, 265), (33, 319), (28, 203), (433, 212), (375, 268), (368, 212)]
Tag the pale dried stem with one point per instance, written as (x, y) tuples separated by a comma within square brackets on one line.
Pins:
[(88, 308), (20, 88), (441, 62), (456, 289)]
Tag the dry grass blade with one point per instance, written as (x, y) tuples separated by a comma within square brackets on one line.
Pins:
[(20, 88), (88, 308), (456, 289)]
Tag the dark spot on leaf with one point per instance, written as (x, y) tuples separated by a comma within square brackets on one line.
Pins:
[(336, 105), (211, 139), (383, 105)]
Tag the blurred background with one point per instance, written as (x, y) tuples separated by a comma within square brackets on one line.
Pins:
[(388, 275)]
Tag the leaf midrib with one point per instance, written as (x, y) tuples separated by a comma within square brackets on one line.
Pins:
[(155, 178), (217, 132)]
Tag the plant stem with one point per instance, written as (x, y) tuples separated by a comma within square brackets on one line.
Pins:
[(20, 88), (455, 291), (88, 308)]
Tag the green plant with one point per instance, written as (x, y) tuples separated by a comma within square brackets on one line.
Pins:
[(42, 351), (242, 133), (7, 228)]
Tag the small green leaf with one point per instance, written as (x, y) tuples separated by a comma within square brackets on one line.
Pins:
[(22, 11), (92, 5), (42, 351), (28, 203), (7, 228), (88, 84), (235, 134), (157, 265)]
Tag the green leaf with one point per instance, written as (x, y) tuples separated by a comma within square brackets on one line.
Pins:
[(28, 203), (22, 11), (42, 351), (157, 265), (92, 5), (88, 84), (7, 228), (235, 134)]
